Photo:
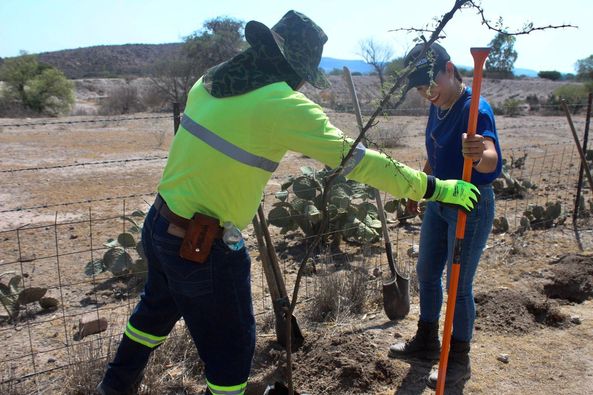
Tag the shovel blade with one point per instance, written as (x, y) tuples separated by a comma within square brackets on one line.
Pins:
[(396, 297), (279, 389), (296, 336)]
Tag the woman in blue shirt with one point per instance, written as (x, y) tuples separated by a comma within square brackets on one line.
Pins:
[(437, 80)]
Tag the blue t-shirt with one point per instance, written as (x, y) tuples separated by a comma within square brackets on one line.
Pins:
[(443, 139)]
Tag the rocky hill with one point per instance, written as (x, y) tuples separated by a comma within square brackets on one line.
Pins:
[(109, 60)]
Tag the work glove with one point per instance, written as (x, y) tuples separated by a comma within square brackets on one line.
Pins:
[(458, 193)]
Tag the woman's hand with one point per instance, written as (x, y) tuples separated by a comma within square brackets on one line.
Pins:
[(481, 151), (412, 207), (473, 147)]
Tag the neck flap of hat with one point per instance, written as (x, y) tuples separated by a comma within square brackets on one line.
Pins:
[(249, 70)]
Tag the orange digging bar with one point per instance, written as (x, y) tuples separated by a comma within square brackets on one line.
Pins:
[(479, 55)]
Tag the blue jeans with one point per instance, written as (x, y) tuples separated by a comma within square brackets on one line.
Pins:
[(437, 237), (214, 298)]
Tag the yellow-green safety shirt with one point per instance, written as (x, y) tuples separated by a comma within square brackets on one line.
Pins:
[(226, 150)]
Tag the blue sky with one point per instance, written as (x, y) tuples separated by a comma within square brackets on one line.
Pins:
[(48, 25)]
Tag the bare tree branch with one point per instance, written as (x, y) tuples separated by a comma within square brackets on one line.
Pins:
[(377, 55), (411, 30), (498, 26)]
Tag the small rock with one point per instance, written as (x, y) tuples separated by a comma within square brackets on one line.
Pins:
[(397, 335), (90, 324), (504, 358), (377, 272), (575, 319), (414, 251), (51, 360)]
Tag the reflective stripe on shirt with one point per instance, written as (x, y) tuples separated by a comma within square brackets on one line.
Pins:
[(227, 148), (354, 159)]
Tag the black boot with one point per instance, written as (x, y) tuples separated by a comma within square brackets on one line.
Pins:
[(125, 373), (458, 366), (425, 344)]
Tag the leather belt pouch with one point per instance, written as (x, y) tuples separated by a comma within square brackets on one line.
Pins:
[(199, 236)]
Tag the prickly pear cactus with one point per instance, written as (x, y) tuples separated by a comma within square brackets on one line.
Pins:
[(524, 225), (118, 259), (501, 225), (15, 295), (398, 207), (544, 217), (506, 186), (299, 207)]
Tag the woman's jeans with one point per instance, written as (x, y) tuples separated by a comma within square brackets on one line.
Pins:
[(214, 298), (437, 237)]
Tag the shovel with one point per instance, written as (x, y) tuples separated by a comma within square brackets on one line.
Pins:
[(279, 389), (280, 302), (396, 295)]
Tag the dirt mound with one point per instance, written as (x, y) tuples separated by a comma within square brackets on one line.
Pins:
[(571, 279), (513, 312), (353, 363)]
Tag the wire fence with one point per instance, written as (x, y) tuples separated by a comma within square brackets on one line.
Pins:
[(42, 339)]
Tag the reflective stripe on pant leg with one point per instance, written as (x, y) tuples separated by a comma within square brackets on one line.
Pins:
[(227, 390), (146, 339)]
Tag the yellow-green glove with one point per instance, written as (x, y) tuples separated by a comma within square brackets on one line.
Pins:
[(461, 194)]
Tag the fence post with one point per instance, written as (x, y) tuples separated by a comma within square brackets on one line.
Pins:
[(176, 117)]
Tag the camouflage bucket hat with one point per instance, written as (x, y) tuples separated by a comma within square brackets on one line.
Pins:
[(299, 40)]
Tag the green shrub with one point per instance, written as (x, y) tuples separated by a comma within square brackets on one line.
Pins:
[(575, 96), (36, 86), (122, 100), (498, 108), (533, 102), (50, 93), (550, 75), (512, 107)]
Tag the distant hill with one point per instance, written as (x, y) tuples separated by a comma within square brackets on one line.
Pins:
[(525, 72), (328, 64), (516, 71), (134, 60), (137, 59)]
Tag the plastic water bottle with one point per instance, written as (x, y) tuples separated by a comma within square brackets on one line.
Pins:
[(232, 236)]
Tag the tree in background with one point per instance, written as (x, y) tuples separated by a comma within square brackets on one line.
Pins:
[(218, 40), (394, 68), (502, 56), (550, 75), (584, 68), (378, 56), (36, 86)]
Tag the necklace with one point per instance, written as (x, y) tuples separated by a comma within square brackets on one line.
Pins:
[(441, 117)]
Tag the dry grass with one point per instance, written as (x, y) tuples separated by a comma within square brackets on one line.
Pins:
[(389, 136), (88, 365), (339, 295), (174, 368), (8, 383)]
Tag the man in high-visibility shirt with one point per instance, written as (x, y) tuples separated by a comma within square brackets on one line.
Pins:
[(241, 118)]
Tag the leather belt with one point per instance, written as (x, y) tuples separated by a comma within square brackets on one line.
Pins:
[(165, 211), (177, 224)]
